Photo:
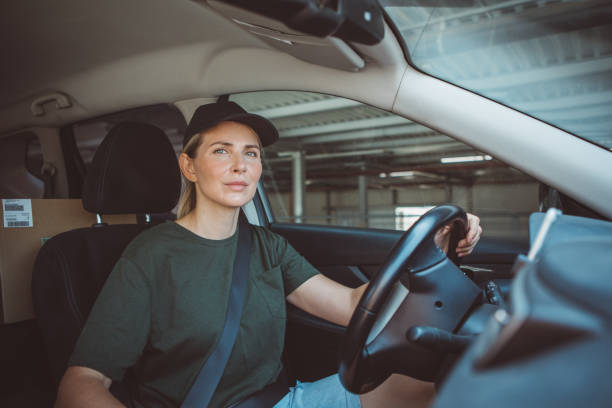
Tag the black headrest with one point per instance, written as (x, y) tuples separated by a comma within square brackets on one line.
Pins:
[(134, 170)]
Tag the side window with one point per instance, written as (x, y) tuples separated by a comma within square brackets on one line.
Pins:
[(21, 166), (339, 162), (89, 134)]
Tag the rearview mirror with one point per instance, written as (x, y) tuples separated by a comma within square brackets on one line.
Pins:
[(359, 21)]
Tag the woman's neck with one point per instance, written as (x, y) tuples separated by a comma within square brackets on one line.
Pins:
[(211, 223)]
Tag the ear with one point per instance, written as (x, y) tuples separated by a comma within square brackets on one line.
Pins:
[(187, 168)]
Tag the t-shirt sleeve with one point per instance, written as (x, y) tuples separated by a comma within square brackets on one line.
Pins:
[(118, 325), (295, 268)]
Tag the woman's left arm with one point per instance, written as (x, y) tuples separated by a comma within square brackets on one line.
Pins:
[(329, 300)]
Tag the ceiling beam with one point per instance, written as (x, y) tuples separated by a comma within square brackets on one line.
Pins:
[(389, 131), (470, 12), (577, 113), (397, 142), (538, 75), (345, 126), (428, 168), (401, 151), (307, 108), (566, 102)]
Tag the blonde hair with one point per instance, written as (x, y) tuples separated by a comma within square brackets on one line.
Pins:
[(187, 200)]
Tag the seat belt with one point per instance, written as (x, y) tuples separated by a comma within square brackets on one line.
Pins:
[(48, 172), (205, 384)]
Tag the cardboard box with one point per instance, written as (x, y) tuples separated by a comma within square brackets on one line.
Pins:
[(20, 245)]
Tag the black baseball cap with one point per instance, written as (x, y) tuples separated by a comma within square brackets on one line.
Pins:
[(209, 115)]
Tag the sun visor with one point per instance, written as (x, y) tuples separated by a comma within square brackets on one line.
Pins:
[(329, 51)]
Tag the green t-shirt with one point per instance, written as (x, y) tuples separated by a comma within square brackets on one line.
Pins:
[(163, 307)]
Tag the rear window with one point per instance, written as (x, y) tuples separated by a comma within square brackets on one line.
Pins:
[(89, 134), (21, 164)]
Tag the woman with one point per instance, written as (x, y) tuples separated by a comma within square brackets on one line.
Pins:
[(162, 308)]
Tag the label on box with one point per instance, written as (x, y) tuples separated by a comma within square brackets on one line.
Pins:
[(17, 213)]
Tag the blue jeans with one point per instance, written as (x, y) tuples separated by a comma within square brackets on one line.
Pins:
[(327, 392)]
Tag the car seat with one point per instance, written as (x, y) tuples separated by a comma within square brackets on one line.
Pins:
[(134, 170)]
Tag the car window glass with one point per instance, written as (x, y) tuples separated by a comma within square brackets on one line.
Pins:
[(89, 134), (20, 166), (365, 167), (550, 59)]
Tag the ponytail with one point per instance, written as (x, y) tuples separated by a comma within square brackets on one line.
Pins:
[(187, 200)]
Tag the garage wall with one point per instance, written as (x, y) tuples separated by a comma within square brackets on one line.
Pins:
[(503, 208)]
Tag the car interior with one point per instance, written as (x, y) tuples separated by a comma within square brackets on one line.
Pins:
[(396, 117)]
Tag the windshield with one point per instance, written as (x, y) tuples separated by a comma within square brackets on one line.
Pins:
[(551, 59)]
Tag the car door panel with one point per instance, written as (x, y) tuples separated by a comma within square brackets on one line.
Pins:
[(351, 256)]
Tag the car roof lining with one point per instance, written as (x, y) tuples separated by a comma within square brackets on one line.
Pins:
[(66, 38), (162, 63)]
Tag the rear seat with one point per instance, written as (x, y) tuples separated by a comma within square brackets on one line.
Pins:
[(133, 171), (19, 246)]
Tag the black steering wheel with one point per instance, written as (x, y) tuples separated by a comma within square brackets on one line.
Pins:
[(416, 286)]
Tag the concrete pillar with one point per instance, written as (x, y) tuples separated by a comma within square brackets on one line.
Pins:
[(298, 175), (470, 198), (449, 192), (363, 199), (328, 207)]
